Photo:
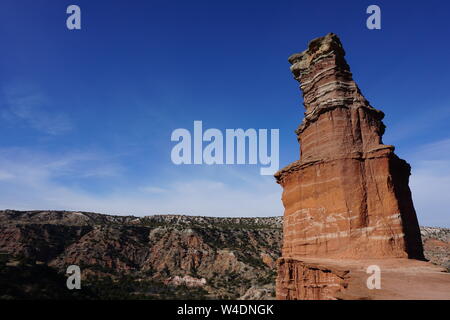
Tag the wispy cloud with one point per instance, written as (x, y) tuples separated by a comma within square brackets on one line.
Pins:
[(33, 182), (28, 166), (417, 122), (26, 105), (211, 197), (430, 182), (153, 190)]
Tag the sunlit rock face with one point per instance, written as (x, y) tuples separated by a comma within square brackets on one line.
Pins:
[(348, 195)]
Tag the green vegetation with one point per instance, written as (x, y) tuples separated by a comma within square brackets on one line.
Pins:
[(31, 282), (40, 282), (131, 288)]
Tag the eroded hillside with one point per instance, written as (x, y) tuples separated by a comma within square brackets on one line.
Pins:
[(154, 257)]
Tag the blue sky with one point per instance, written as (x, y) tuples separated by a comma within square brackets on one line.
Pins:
[(86, 116)]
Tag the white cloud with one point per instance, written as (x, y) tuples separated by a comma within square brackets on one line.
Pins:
[(415, 123), (28, 106), (36, 185), (6, 175), (430, 183), (151, 189), (30, 180)]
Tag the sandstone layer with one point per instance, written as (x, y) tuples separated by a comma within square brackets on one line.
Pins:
[(348, 196), (346, 279)]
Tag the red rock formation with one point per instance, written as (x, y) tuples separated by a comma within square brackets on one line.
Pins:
[(331, 279), (348, 195)]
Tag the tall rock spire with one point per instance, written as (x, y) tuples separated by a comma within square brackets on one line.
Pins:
[(348, 194), (347, 203), (347, 198)]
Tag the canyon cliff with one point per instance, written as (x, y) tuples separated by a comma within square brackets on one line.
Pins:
[(123, 257), (347, 200), (154, 257)]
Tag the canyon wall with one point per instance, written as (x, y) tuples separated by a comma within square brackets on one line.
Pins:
[(157, 257)]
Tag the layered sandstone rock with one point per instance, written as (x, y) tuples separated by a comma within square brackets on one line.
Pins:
[(348, 196), (346, 279)]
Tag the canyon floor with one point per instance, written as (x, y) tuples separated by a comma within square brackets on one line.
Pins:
[(157, 257)]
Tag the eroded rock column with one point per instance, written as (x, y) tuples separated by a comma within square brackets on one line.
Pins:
[(348, 196)]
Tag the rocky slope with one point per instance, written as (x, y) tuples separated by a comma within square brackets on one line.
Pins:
[(161, 256), (223, 256), (436, 243)]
